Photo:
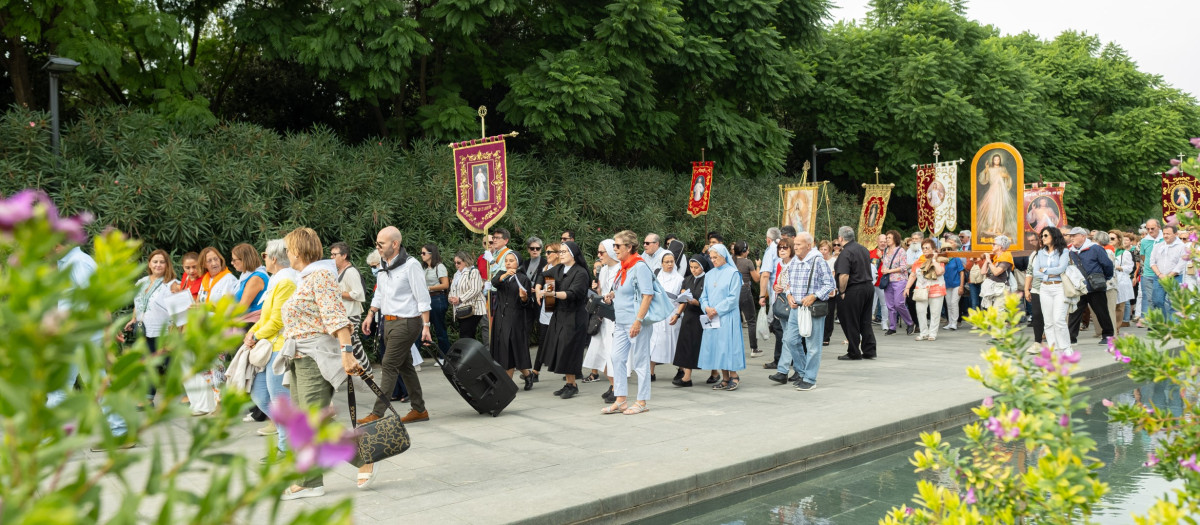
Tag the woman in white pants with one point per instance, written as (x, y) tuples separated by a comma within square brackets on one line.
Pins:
[(928, 274), (1049, 265), (631, 296)]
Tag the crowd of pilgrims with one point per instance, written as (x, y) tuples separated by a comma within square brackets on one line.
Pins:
[(549, 310)]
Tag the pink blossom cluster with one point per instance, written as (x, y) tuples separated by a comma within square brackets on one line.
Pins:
[(1176, 162), (24, 206), (1056, 361), (302, 436), (1116, 352), (997, 425)]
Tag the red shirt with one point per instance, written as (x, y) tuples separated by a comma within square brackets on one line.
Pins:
[(875, 262)]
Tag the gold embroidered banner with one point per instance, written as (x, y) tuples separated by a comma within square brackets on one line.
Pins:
[(481, 182), (798, 206), (1178, 193), (942, 197), (874, 209), (701, 187)]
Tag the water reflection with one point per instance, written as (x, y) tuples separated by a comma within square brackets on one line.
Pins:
[(862, 492)]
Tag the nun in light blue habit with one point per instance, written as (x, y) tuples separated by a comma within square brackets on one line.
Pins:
[(722, 348)]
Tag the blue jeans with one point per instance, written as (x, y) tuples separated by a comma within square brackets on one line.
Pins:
[(269, 387), (116, 424), (1158, 296), (640, 347), (1149, 284), (438, 305), (975, 289), (807, 362)]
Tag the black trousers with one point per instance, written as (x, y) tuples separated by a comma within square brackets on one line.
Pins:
[(912, 311), (833, 305), (747, 303), (854, 310), (1039, 322), (777, 330), (1098, 300)]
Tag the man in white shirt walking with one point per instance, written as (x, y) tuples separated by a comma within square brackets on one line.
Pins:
[(1168, 263), (403, 299)]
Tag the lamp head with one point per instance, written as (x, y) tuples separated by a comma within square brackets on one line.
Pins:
[(60, 65)]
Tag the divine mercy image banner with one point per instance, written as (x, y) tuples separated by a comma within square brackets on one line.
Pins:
[(997, 185)]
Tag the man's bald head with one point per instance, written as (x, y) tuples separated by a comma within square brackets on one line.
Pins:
[(388, 242)]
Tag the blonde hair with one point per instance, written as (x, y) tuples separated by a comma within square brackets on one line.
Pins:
[(305, 245), (251, 260), (203, 260), (627, 238)]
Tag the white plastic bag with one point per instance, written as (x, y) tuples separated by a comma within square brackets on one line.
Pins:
[(763, 325), (201, 393), (805, 320)]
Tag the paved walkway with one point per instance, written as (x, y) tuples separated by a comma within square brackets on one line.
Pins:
[(548, 460)]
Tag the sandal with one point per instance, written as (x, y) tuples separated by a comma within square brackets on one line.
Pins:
[(733, 383), (637, 408), (614, 408), (591, 378), (365, 479), (723, 385)]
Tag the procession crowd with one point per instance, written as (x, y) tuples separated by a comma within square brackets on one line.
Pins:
[(644, 303)]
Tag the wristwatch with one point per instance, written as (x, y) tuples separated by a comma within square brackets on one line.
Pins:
[(639, 319), (347, 349), (427, 324)]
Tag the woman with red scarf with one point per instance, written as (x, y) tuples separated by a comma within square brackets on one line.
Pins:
[(191, 275), (631, 296)]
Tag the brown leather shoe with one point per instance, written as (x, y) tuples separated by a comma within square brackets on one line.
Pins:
[(368, 419), (413, 416)]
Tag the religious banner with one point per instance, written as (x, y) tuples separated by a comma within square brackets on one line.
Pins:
[(1044, 207), (701, 188), (798, 206), (481, 182), (874, 209), (1178, 193), (998, 178), (941, 195), (925, 212)]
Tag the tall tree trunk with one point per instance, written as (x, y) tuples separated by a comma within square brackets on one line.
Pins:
[(424, 98), (380, 120), (191, 58), (17, 65)]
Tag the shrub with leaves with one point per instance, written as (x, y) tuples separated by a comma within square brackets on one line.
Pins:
[(1052, 479), (42, 479)]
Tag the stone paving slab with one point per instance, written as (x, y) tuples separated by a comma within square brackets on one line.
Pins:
[(549, 460)]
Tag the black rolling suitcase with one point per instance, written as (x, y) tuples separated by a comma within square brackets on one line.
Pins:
[(477, 378)]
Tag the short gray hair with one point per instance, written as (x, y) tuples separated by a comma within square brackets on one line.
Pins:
[(846, 233), (277, 249), (374, 259), (532, 239), (805, 235), (919, 234), (1102, 237), (1002, 241), (773, 233)]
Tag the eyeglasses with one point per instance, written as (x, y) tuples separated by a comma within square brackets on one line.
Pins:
[(618, 245), (335, 254), (535, 248), (648, 243), (424, 253), (565, 239), (568, 252), (379, 244)]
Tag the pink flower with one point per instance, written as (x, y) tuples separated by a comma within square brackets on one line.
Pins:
[(970, 498), (1064, 421), (1106, 402), (1195, 142), (1189, 214), (1175, 162), (1151, 460), (21, 207), (1190, 463), (1173, 171), (1045, 360), (32, 124), (996, 426), (908, 511), (302, 435), (17, 209), (988, 402), (1118, 356), (1192, 237)]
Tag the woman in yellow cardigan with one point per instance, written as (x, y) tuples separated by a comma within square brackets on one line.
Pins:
[(267, 385)]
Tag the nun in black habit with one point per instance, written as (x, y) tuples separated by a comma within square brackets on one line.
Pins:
[(510, 333), (566, 336), (687, 349)]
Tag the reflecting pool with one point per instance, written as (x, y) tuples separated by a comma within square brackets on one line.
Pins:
[(863, 489)]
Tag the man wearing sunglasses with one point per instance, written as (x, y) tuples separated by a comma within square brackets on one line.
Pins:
[(652, 251)]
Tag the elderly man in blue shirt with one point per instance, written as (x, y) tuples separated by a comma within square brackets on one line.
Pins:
[(1091, 258), (808, 280)]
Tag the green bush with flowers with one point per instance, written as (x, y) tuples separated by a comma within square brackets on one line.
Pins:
[(42, 477)]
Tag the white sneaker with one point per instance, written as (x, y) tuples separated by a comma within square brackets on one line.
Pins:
[(248, 419), (1068, 352), (949, 327), (418, 367), (314, 492)]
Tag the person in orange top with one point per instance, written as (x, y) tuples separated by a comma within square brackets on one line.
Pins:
[(217, 282), (191, 275)]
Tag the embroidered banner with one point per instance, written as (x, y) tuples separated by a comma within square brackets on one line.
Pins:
[(798, 206), (871, 217), (925, 212), (941, 195), (1044, 207), (1178, 193), (998, 178), (481, 182), (701, 188)]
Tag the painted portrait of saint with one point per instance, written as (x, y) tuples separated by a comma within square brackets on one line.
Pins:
[(1043, 212), (698, 189), (996, 210), (1182, 196), (935, 194), (479, 183), (873, 215), (798, 210)]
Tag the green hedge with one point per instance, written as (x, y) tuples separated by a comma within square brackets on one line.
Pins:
[(183, 188)]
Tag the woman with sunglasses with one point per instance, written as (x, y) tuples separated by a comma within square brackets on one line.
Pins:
[(466, 294), (633, 289), (543, 317), (1049, 265), (438, 282)]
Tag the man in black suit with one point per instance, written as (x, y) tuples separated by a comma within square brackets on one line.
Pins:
[(853, 270)]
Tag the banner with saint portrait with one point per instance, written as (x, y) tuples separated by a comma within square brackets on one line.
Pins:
[(701, 188), (997, 181), (1044, 207), (480, 182), (1178, 193), (874, 209), (925, 178), (798, 206)]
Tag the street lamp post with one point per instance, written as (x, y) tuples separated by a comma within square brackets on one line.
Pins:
[(816, 152), (55, 66)]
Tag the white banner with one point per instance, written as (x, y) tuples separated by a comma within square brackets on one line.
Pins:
[(942, 195)]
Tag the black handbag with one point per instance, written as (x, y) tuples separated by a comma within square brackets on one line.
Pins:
[(380, 439), (820, 307), (463, 311), (780, 308), (885, 278), (594, 324), (1095, 281)]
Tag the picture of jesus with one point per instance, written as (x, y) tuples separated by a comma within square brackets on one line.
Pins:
[(479, 184), (1043, 212), (698, 189), (873, 215), (936, 194), (1182, 196), (997, 209), (799, 208)]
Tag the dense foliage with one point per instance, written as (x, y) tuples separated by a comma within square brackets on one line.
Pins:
[(181, 189)]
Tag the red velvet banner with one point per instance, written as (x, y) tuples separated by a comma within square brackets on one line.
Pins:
[(1044, 206), (700, 189), (925, 210), (481, 182), (1178, 193)]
